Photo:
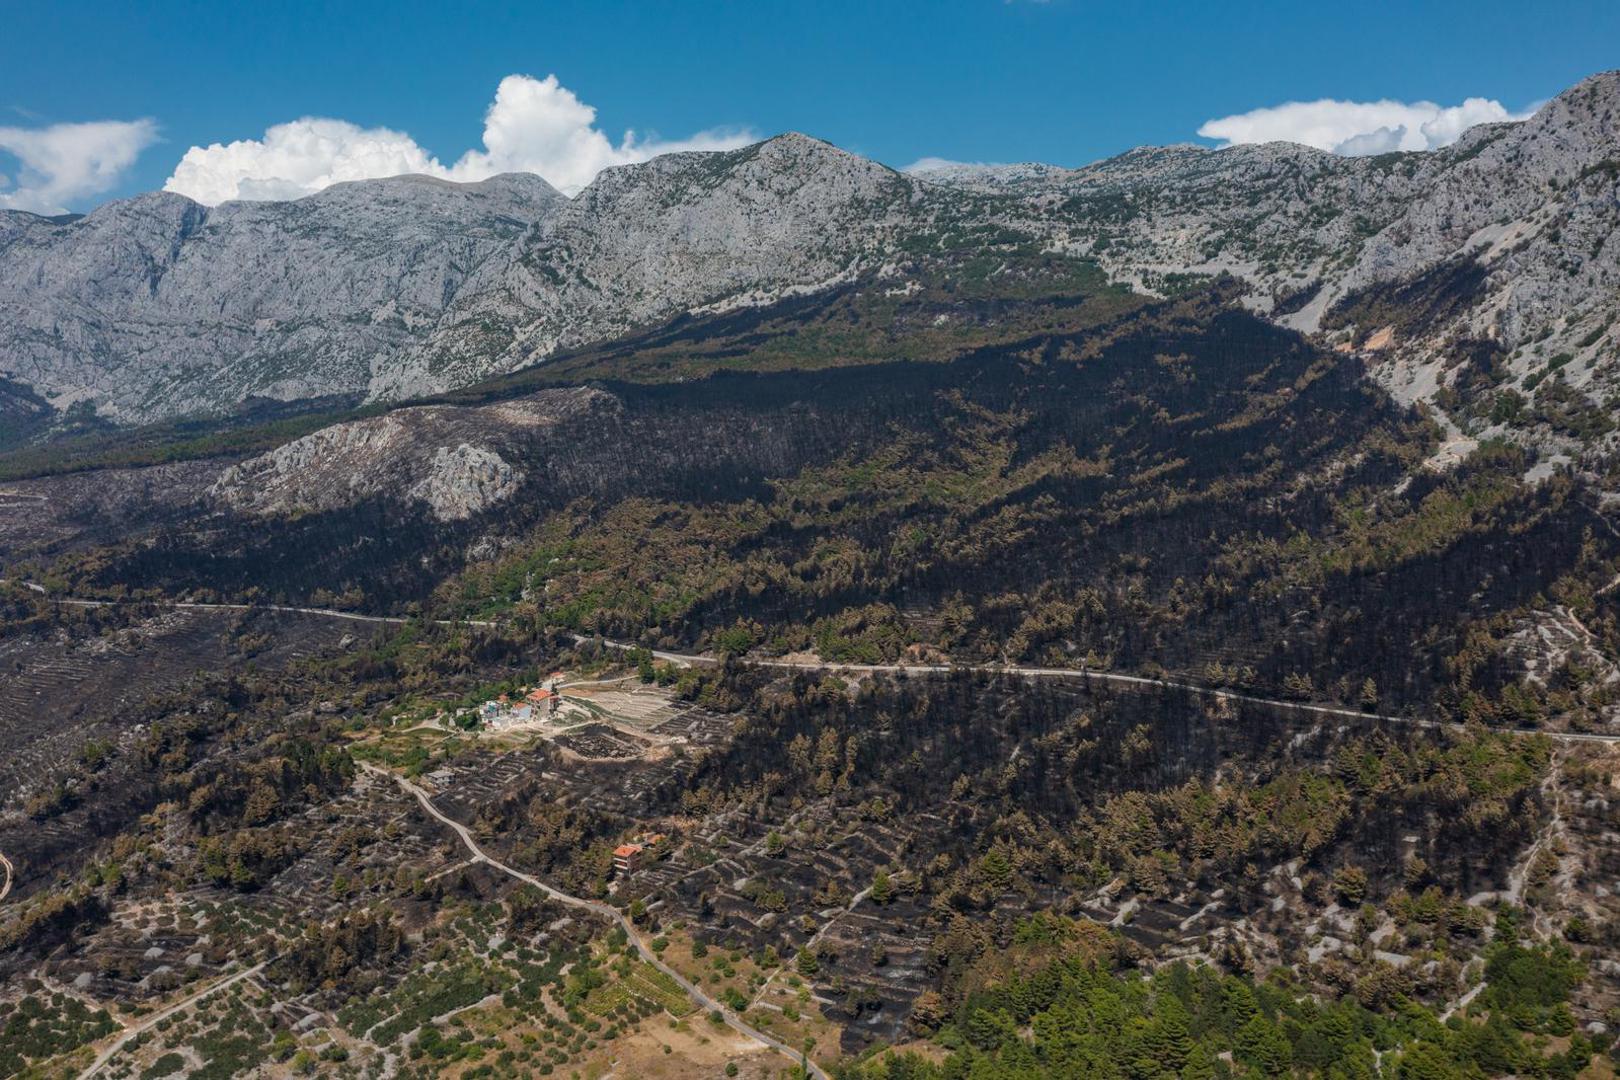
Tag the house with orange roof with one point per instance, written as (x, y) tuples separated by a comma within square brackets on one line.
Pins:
[(627, 858)]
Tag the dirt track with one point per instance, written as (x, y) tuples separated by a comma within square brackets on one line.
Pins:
[(605, 911)]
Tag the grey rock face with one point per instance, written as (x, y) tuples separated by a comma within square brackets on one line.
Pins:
[(465, 481), (453, 459), (157, 307), (1534, 205)]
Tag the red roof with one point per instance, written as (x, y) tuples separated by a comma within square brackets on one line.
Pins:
[(539, 694), (624, 851)]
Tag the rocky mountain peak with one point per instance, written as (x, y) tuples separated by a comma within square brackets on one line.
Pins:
[(165, 205), (800, 152), (646, 242), (1579, 127), (1595, 99), (779, 166), (156, 306)]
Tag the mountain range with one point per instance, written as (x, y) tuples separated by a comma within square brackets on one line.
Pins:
[(1479, 279)]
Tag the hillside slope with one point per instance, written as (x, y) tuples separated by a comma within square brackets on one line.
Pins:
[(1481, 277)]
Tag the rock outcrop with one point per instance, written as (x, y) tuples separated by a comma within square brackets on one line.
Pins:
[(455, 460)]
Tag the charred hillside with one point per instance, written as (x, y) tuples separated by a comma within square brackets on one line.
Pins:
[(1187, 486)]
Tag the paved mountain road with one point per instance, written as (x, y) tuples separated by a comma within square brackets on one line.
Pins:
[(1016, 670), (1116, 678), (191, 605)]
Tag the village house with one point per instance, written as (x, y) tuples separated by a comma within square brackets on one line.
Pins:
[(627, 858), (503, 711)]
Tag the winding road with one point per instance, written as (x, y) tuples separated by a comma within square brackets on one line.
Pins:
[(612, 914), (1115, 678), (1014, 670), (605, 911), (190, 605)]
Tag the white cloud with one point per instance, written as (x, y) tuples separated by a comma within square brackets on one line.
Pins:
[(295, 159), (533, 125), (539, 125), (1359, 127), (63, 163), (939, 164)]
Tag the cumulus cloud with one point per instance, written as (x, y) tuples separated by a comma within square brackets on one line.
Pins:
[(64, 163), (533, 125), (295, 159), (1359, 127), (939, 164), (539, 125)]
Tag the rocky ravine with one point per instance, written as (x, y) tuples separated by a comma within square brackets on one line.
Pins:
[(1481, 278)]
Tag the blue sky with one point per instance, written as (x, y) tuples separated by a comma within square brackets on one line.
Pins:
[(974, 80)]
